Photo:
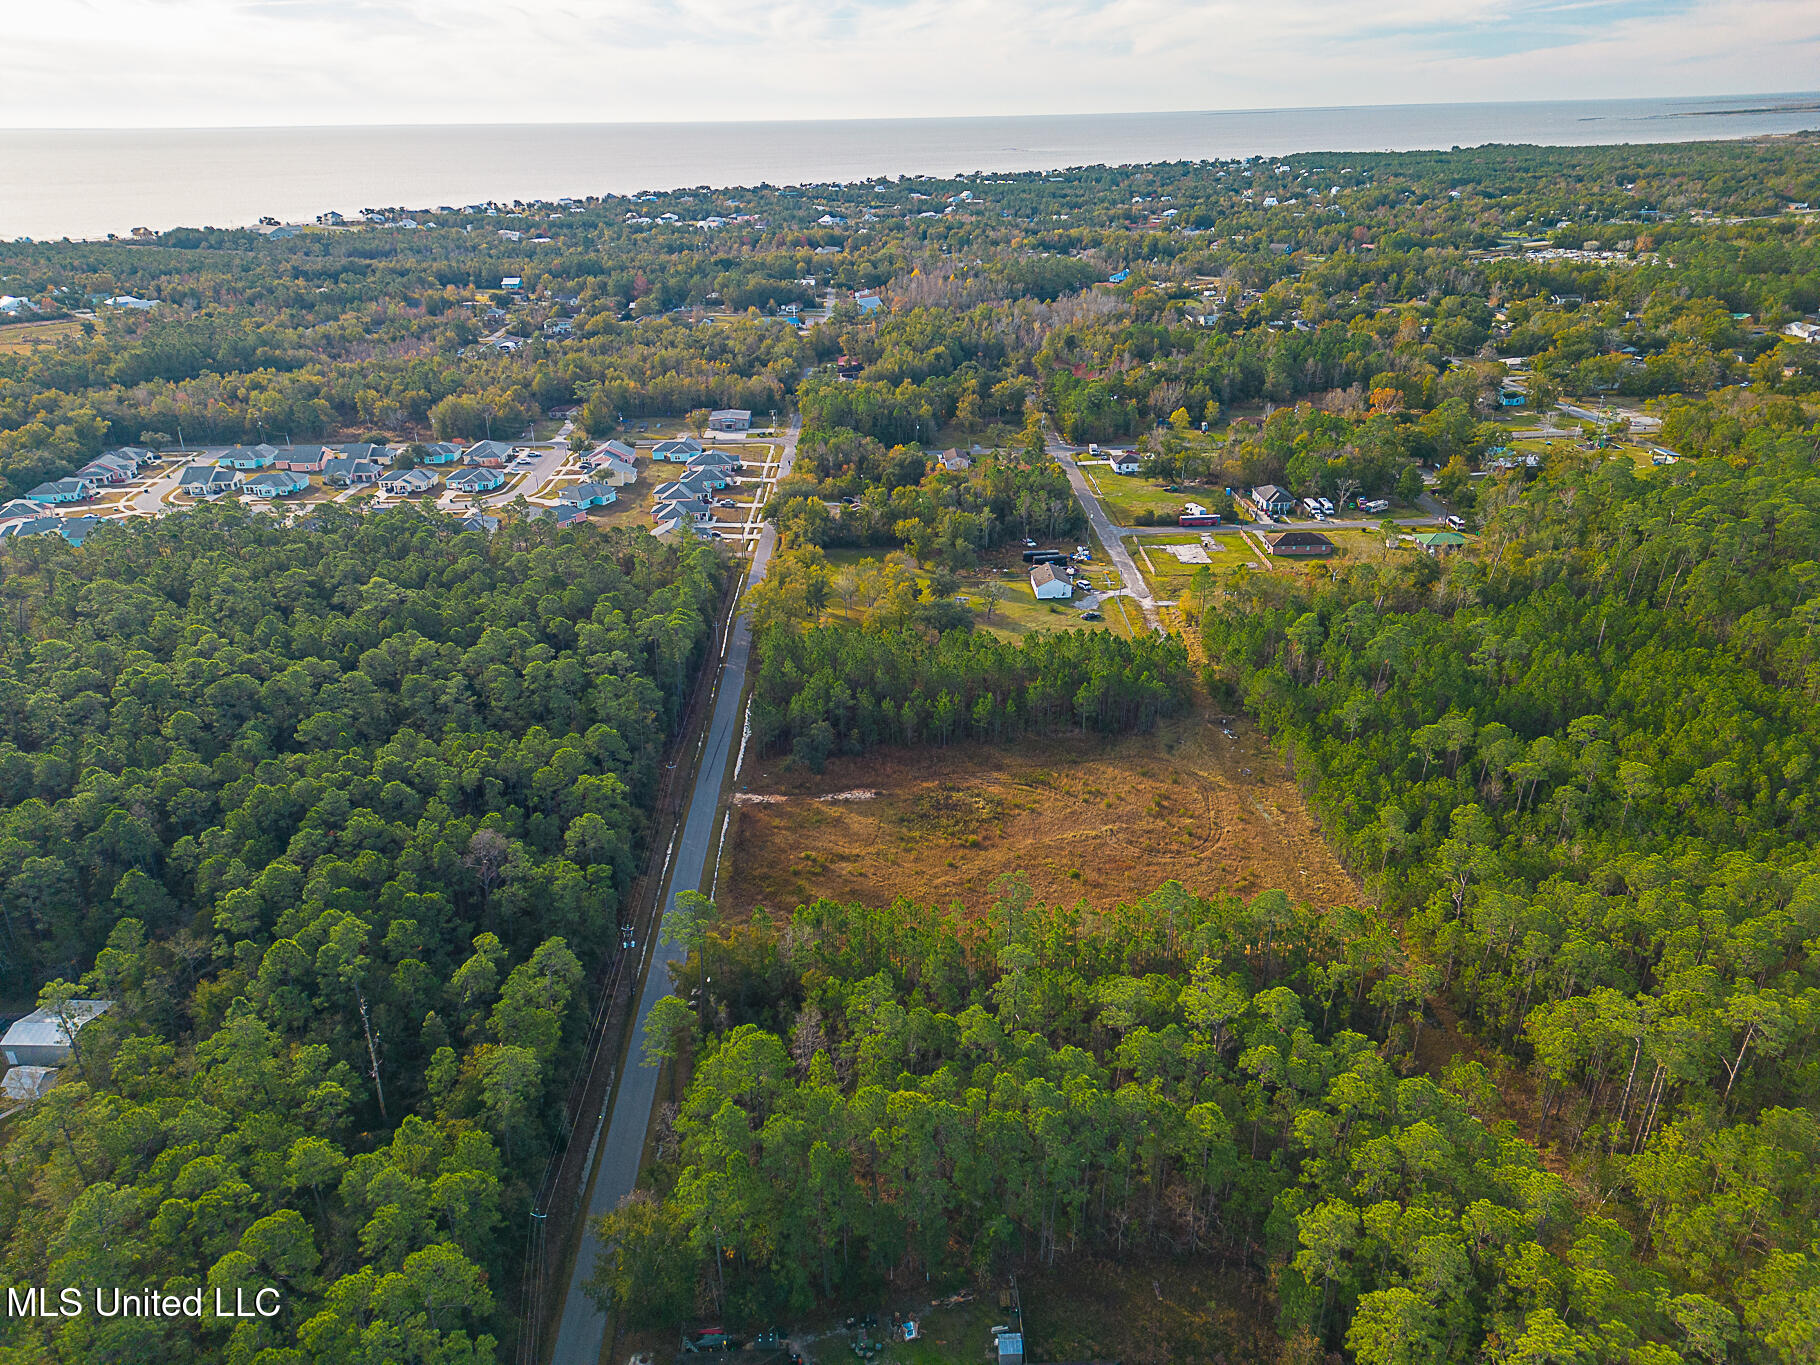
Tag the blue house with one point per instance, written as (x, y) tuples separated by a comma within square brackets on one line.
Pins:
[(443, 452), (475, 479), (1119, 278), (275, 483), (248, 457), (62, 490), (1512, 398), (587, 495), (679, 451)]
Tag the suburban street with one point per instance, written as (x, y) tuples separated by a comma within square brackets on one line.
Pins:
[(1108, 534), (582, 1330)]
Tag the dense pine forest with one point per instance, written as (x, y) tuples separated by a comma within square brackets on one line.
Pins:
[(341, 816)]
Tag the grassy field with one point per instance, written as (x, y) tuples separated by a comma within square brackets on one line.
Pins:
[(17, 338), (1019, 612), (1126, 495), (1084, 818)]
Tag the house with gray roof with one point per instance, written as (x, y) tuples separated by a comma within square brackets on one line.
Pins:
[(478, 479), (405, 482), (275, 483), (343, 472), (209, 481), (443, 452), (730, 419), (248, 457), (588, 495), (678, 451), (61, 490), (491, 454), (304, 459)]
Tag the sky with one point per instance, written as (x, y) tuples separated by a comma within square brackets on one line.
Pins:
[(242, 63)]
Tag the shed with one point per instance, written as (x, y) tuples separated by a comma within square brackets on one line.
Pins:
[(1010, 1348), (1047, 581), (40, 1039)]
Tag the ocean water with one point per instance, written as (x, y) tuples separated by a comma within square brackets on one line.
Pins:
[(87, 183)]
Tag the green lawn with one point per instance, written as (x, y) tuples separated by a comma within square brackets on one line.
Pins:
[(1019, 612), (1125, 495)]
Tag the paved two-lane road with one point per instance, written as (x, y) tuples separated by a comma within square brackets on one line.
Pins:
[(582, 1330), (1109, 537)]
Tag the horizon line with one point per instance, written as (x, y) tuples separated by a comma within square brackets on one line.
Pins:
[(143, 128)]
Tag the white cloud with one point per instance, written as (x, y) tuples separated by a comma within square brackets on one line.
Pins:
[(178, 63)]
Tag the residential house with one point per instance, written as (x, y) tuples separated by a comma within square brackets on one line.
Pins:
[(479, 521), (61, 490), (730, 419), (404, 482), (1278, 502), (304, 459), (1512, 398), (563, 514), (683, 509), (619, 450), (488, 454), (1047, 581), (678, 451), (73, 529), (20, 509), (708, 478), (612, 470), (44, 1038), (275, 483), (443, 452), (868, 303), (476, 479), (954, 462), (588, 495), (346, 472), (716, 459), (209, 481), (107, 469), (1440, 542), (1803, 331), (365, 450), (139, 455), (1299, 544), (1125, 462), (248, 457)]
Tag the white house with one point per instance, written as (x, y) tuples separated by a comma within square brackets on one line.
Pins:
[(1125, 462), (1047, 581)]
